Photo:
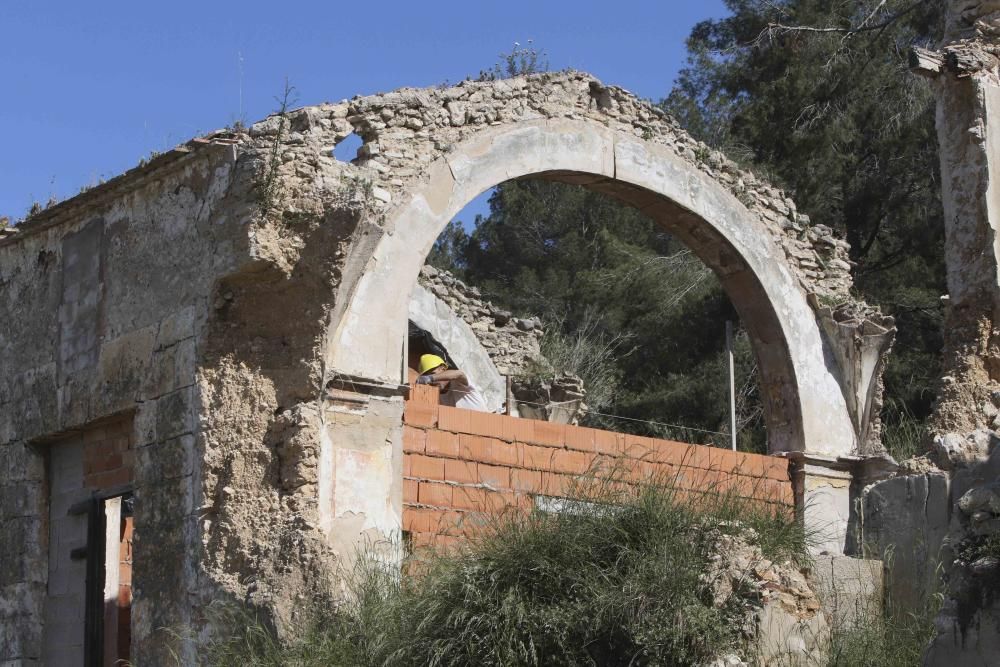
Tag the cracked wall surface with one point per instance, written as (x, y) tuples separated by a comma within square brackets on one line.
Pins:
[(245, 295)]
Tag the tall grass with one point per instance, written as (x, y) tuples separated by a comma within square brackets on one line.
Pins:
[(883, 637), (902, 433), (617, 579)]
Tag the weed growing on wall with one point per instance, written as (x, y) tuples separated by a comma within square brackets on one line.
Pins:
[(521, 60), (615, 578), (269, 181)]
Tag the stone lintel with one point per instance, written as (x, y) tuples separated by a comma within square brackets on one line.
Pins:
[(343, 387)]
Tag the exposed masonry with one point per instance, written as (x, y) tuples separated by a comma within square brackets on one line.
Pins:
[(511, 342), (406, 130), (210, 292)]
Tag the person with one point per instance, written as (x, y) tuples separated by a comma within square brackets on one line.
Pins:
[(456, 390)]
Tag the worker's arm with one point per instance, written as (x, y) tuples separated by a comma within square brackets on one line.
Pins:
[(449, 376)]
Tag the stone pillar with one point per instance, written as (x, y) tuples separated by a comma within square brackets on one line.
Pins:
[(828, 493), (823, 495), (361, 469), (966, 73)]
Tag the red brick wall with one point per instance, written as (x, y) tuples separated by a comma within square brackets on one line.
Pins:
[(459, 463), (108, 455)]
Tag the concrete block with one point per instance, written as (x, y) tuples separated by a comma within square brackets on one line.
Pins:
[(847, 587)]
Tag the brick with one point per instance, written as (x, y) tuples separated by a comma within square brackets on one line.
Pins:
[(95, 434), (556, 485), (537, 458), (112, 462), (478, 499), (495, 477), (565, 460), (406, 465), (750, 465), (776, 467), (417, 414), (109, 479), (522, 430), (502, 453), (450, 522), (668, 451), (442, 443), (639, 447), (455, 420), (438, 495), (409, 491), (448, 543), (548, 433), (427, 467), (474, 447), (460, 472), (470, 498), (608, 442), (473, 524), (528, 481), (700, 456), (424, 394), (493, 425), (414, 439), (580, 438), (420, 541), (419, 520)]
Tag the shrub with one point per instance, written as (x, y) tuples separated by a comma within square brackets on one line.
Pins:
[(617, 578)]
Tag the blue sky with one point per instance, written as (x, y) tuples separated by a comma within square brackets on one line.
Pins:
[(89, 88)]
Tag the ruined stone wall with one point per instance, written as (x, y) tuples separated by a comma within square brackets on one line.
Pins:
[(102, 303), (206, 292), (936, 521), (511, 342), (406, 130)]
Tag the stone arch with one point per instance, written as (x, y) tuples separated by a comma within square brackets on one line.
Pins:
[(806, 409)]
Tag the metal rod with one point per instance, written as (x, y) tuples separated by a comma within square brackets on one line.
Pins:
[(732, 383)]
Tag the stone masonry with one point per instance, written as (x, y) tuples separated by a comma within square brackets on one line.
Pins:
[(511, 342), (244, 298)]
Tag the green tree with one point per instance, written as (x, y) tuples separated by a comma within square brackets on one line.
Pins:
[(612, 283), (818, 97)]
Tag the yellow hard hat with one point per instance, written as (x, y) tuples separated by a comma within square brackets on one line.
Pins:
[(429, 362)]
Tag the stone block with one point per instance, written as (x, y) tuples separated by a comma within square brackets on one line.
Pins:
[(847, 587), (904, 523), (176, 326), (176, 413), (170, 459), (122, 369)]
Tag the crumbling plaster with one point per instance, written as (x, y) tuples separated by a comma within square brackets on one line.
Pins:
[(246, 297)]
